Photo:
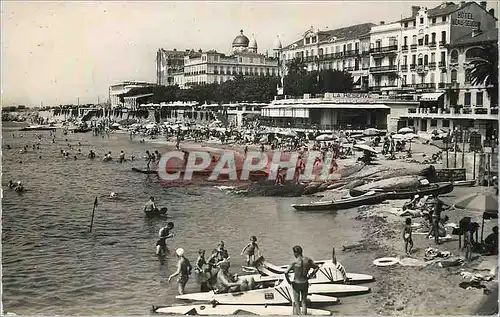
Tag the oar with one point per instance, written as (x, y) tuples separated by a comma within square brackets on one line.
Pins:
[(93, 210)]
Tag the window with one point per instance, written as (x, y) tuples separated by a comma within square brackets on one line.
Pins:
[(421, 20), (404, 79), (414, 23), (326, 50), (406, 24), (433, 20), (446, 123), (443, 57), (443, 37), (308, 40), (356, 46), (251, 60), (413, 79), (420, 60), (405, 60), (414, 39), (349, 47), (426, 39), (443, 18), (426, 60), (433, 57), (467, 96), (313, 39), (433, 80), (405, 40), (345, 48), (433, 123), (414, 59), (467, 76), (479, 98), (443, 77), (433, 37), (420, 42), (454, 76), (473, 52)]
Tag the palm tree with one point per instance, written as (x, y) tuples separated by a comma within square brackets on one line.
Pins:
[(296, 66), (485, 71)]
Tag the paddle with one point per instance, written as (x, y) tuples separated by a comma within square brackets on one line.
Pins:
[(93, 211)]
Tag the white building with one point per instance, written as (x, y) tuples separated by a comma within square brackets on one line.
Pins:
[(214, 67), (121, 88), (344, 49)]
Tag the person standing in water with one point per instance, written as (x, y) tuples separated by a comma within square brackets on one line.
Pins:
[(148, 159), (122, 157), (150, 206), (249, 250), (300, 285), (183, 271), (164, 234)]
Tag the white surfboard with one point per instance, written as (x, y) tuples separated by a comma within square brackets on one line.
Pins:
[(209, 309)]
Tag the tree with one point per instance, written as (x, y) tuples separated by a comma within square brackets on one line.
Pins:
[(485, 71), (296, 67), (329, 81)]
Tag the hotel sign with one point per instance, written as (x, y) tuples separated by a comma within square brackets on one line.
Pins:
[(465, 19), (350, 98)]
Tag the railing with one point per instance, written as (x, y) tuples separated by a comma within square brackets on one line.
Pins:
[(426, 86), (494, 110), (432, 44), (404, 48), (442, 64), (349, 69), (432, 65), (413, 47), (453, 85), (453, 61), (413, 66), (481, 111), (389, 68), (378, 87), (421, 69), (442, 43), (385, 49), (441, 85), (404, 67)]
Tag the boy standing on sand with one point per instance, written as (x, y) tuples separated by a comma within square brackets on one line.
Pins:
[(407, 236)]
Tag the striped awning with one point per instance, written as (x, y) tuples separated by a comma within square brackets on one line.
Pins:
[(433, 96)]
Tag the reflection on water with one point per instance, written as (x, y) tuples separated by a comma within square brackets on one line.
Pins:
[(53, 265)]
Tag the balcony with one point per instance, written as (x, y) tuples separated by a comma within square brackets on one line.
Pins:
[(404, 67), (384, 50), (432, 45), (379, 87), (351, 53), (413, 66), (384, 69), (413, 47), (432, 65), (442, 64), (442, 85), (453, 113), (442, 44), (453, 85), (404, 48), (426, 86), (422, 69), (349, 69), (409, 85)]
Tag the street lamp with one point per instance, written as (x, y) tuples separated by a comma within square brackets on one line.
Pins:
[(277, 52)]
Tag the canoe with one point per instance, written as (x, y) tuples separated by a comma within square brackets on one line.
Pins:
[(468, 183), (38, 128), (278, 295), (144, 171), (365, 199), (206, 310), (442, 188), (327, 273), (403, 183)]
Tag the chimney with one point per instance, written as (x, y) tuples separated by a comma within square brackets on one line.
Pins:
[(483, 4), (414, 10), (382, 22), (492, 12), (462, 3)]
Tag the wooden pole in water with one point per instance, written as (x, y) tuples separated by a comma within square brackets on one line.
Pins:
[(93, 211)]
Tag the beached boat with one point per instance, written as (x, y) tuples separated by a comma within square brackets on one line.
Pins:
[(441, 188), (327, 273), (143, 171), (468, 183), (280, 294), (210, 309), (369, 198), (38, 128)]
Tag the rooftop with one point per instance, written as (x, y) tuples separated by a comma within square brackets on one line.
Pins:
[(346, 33), (471, 38)]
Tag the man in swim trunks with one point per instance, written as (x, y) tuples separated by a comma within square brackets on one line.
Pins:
[(164, 234), (300, 284), (183, 271), (227, 282), (150, 206)]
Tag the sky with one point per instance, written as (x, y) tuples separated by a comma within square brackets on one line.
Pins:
[(61, 52)]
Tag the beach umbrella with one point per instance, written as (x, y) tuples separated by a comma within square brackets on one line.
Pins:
[(324, 137), (365, 147), (371, 131), (405, 130), (410, 136), (485, 202), (288, 133), (398, 136)]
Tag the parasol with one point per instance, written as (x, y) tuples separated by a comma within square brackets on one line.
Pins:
[(325, 137), (485, 202), (365, 147), (405, 130), (371, 131)]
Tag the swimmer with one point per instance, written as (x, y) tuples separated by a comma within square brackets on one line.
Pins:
[(113, 195), (19, 187), (11, 184), (122, 157)]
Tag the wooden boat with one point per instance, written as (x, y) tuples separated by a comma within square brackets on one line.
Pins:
[(441, 188), (468, 183), (38, 128), (211, 309), (327, 273), (144, 171), (369, 198), (278, 295)]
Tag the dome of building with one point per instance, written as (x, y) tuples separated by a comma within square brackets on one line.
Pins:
[(241, 40)]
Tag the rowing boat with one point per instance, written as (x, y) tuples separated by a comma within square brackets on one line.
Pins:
[(327, 273), (144, 171), (369, 198), (206, 310), (441, 188), (278, 295)]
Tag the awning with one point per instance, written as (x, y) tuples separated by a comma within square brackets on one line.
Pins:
[(433, 96)]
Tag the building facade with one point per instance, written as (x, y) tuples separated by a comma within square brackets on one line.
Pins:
[(344, 49), (169, 63), (121, 88)]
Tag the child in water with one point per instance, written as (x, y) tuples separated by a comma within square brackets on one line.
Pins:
[(249, 250), (407, 236)]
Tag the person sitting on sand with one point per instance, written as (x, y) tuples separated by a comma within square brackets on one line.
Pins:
[(407, 237), (249, 250), (413, 203), (491, 242), (227, 282)]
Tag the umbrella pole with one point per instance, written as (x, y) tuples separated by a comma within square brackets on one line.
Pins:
[(474, 167), (463, 148), (482, 228), (455, 150), (489, 171)]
